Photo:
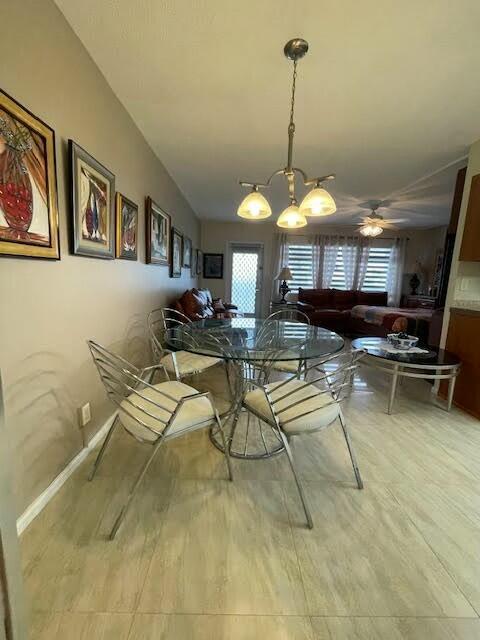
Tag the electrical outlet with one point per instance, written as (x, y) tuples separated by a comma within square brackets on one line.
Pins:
[(84, 414)]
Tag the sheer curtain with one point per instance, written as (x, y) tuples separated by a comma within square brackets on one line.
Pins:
[(325, 250), (355, 252), (395, 273), (279, 260), (363, 253)]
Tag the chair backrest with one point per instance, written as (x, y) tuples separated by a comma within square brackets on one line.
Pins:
[(140, 400), (291, 315), (161, 320), (334, 373)]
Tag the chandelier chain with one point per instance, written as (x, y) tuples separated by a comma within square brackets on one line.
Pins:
[(294, 82)]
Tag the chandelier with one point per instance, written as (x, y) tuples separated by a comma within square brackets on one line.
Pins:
[(318, 202)]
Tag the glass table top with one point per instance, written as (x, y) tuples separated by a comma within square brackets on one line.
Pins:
[(373, 346), (254, 339)]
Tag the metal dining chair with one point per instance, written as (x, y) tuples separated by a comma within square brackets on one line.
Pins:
[(295, 365), (181, 363), (294, 407), (152, 414)]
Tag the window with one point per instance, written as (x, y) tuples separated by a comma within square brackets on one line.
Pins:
[(376, 277), (300, 261)]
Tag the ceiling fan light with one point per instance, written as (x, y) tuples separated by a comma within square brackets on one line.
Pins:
[(371, 230), (254, 207), (318, 202), (291, 218)]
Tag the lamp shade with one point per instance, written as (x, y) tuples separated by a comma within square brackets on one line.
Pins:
[(254, 207), (291, 218), (285, 274), (371, 230), (318, 202)]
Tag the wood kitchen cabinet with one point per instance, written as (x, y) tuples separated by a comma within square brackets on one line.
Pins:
[(470, 249), (464, 341)]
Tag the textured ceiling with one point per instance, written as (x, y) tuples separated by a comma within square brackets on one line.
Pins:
[(387, 95)]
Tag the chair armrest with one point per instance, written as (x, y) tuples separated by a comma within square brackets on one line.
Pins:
[(229, 306), (305, 307)]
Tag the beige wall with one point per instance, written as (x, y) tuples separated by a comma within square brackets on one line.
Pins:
[(49, 309), (216, 236)]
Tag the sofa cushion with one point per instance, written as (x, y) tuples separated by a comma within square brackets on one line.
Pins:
[(318, 298), (343, 299), (372, 299)]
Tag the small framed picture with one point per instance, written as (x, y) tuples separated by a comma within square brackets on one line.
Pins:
[(157, 236), (92, 205), (213, 265), (177, 257), (199, 262), (187, 252), (126, 234)]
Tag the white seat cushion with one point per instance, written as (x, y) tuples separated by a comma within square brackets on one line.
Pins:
[(321, 415), (192, 413), (188, 363)]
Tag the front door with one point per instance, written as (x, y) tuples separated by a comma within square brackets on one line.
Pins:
[(245, 276)]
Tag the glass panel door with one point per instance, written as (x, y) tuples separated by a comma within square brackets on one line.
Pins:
[(246, 277)]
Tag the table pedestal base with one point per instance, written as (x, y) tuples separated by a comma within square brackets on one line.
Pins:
[(252, 439)]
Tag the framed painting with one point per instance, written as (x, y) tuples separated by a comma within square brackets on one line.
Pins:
[(28, 184), (126, 233), (199, 262), (193, 266), (177, 254), (157, 234), (187, 252), (213, 265), (92, 205)]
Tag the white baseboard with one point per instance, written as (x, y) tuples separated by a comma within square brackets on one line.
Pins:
[(32, 511)]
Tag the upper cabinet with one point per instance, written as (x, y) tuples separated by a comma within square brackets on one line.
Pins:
[(470, 249)]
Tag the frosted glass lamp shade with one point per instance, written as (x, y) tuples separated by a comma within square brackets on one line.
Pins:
[(371, 230), (254, 207), (292, 218), (318, 202)]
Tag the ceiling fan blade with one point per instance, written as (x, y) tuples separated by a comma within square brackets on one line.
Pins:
[(395, 220)]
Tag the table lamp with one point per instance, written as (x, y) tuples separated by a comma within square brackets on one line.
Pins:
[(284, 275)]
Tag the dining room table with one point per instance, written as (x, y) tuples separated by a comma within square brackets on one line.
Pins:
[(245, 344)]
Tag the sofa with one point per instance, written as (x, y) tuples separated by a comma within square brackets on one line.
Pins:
[(331, 308), (198, 304)]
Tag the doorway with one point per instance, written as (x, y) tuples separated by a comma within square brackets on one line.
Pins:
[(246, 277)]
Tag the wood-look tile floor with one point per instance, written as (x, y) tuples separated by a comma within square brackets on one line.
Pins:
[(200, 558)]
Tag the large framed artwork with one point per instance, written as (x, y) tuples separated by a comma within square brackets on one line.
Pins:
[(126, 232), (213, 265), (157, 234), (177, 255), (193, 268), (92, 205), (28, 184), (187, 252)]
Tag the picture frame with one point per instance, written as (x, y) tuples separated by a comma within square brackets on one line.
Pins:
[(28, 184), (193, 268), (213, 266), (157, 234), (92, 205), (199, 262), (126, 228), (176, 254), (187, 252)]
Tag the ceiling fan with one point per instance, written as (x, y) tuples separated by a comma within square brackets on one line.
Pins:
[(374, 224)]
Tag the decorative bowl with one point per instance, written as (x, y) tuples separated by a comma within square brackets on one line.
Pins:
[(402, 341)]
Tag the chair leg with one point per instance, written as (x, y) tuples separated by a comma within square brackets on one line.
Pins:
[(225, 446), (99, 457), (133, 490), (297, 480), (350, 451)]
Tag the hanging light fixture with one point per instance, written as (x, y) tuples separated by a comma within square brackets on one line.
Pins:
[(371, 230), (318, 202)]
